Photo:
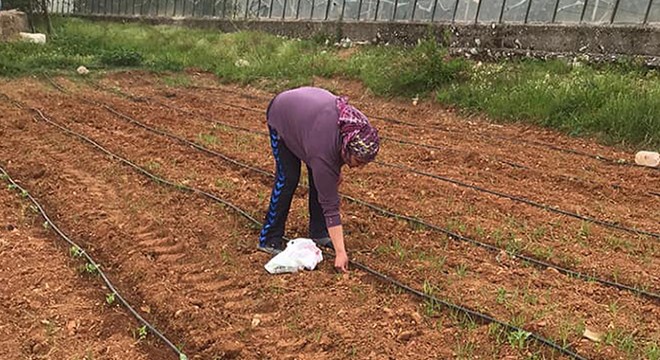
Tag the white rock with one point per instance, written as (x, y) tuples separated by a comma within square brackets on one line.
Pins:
[(82, 70), (241, 63), (647, 158), (35, 38), (346, 43)]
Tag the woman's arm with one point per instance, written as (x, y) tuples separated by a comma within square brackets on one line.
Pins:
[(337, 237)]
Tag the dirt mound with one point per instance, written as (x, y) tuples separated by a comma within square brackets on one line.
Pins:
[(12, 22)]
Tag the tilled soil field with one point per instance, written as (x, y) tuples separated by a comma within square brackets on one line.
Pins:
[(191, 267)]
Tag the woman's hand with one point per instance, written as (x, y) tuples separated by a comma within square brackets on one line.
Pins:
[(341, 258), (341, 262)]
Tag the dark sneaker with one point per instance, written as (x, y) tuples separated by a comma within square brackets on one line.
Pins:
[(324, 242), (271, 246)]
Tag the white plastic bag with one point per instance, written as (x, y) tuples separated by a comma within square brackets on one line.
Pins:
[(299, 254)]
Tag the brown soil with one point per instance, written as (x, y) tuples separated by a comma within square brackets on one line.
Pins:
[(193, 264), (49, 310)]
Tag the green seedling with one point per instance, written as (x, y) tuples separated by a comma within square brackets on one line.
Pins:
[(254, 226), (566, 329), (224, 184), (609, 338), (618, 243), (616, 273), (217, 126), (439, 325), (495, 331), (627, 343), (585, 230), (479, 231), (430, 305), (11, 186), (382, 250), (498, 237), (440, 262), (518, 320), (152, 166), (399, 250), (501, 296), (518, 338), (24, 194), (613, 307), (467, 322), (141, 333), (538, 233), (208, 139), (530, 298), (51, 327), (456, 225), (110, 298), (546, 253), (91, 268), (226, 257), (513, 246), (46, 225), (652, 351), (465, 350), (75, 251), (461, 270)]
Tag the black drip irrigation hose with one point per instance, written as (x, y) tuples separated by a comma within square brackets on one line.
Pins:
[(96, 266), (519, 199), (538, 263), (461, 309), (388, 213), (470, 313), (254, 110), (398, 140), (393, 139), (463, 184), (597, 157), (435, 127), (388, 138), (523, 200), (258, 97)]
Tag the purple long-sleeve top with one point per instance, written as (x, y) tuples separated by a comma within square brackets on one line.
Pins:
[(306, 121)]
